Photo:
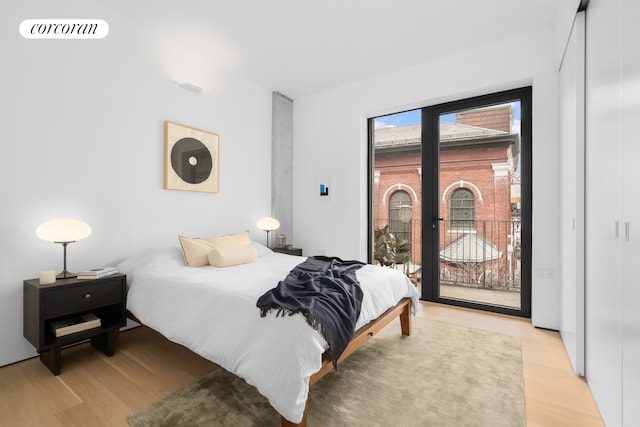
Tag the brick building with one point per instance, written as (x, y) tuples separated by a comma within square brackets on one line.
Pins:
[(478, 162)]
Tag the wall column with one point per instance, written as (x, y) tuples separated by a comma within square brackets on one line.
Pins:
[(282, 166)]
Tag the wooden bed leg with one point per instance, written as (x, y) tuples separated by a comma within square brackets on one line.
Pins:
[(286, 423), (405, 320)]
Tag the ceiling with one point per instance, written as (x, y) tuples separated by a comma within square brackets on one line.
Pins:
[(300, 47)]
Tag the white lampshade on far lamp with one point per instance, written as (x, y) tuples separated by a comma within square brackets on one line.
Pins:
[(268, 224), (64, 231)]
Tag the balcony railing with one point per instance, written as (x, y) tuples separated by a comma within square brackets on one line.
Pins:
[(478, 254)]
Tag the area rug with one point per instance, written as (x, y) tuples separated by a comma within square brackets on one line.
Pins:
[(442, 375)]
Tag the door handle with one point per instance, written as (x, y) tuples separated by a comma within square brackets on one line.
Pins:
[(435, 218), (626, 231)]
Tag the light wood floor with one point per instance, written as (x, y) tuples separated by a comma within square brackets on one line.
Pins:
[(96, 390)]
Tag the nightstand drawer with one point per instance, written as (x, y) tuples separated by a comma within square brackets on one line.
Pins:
[(81, 298)]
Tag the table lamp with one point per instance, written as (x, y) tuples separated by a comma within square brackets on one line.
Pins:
[(268, 224), (63, 231)]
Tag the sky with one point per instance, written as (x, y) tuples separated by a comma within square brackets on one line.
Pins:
[(413, 117)]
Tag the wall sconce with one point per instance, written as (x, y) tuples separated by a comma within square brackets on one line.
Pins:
[(64, 231), (268, 224)]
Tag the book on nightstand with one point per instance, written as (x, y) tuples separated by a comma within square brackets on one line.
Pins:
[(75, 324), (96, 273)]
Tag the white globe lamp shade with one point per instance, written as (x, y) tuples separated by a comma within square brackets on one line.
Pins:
[(268, 224), (63, 230)]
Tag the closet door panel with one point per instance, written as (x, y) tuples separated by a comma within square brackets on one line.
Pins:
[(603, 210), (631, 212)]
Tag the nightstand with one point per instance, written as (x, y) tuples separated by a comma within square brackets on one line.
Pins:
[(67, 299), (292, 251)]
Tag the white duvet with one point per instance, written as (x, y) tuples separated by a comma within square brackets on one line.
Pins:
[(213, 312)]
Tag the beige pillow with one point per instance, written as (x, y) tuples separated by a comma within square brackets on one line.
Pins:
[(232, 255), (196, 250), (239, 239)]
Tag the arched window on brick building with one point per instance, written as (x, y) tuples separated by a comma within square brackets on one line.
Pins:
[(462, 209), (399, 225)]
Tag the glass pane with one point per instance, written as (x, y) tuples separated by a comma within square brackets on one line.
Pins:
[(397, 192), (480, 205)]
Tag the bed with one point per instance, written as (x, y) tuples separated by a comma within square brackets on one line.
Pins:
[(212, 311)]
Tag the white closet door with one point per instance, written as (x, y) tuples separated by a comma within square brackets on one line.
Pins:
[(631, 212), (603, 210)]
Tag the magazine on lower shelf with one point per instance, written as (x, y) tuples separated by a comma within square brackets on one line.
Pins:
[(72, 325)]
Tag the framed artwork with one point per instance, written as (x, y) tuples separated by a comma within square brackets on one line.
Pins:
[(191, 159)]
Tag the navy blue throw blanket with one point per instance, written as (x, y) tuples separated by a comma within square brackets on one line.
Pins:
[(325, 290)]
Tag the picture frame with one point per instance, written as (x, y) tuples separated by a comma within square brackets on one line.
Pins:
[(191, 158)]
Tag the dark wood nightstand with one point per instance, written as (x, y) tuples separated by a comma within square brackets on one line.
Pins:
[(67, 299), (292, 251)]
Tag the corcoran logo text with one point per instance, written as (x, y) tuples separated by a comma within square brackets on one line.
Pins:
[(64, 29)]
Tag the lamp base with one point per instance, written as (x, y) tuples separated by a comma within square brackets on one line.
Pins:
[(66, 275)]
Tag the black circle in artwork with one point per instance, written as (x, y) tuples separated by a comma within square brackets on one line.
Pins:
[(191, 160)]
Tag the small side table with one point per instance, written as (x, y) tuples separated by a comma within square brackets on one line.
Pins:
[(292, 251), (68, 299)]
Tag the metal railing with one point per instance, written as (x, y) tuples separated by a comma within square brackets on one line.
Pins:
[(483, 254), (479, 254)]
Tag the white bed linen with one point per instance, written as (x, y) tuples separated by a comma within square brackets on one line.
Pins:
[(213, 312)]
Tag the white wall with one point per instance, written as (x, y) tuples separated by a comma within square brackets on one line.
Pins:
[(565, 14), (330, 140), (82, 136)]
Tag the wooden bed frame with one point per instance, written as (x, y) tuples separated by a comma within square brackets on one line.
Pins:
[(361, 336)]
